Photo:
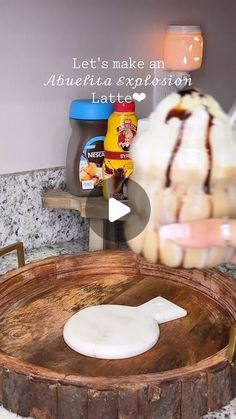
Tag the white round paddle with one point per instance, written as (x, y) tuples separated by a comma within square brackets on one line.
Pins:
[(117, 331)]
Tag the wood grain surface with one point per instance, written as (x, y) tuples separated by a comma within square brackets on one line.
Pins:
[(185, 374)]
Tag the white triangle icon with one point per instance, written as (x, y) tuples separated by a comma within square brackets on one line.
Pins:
[(117, 210)]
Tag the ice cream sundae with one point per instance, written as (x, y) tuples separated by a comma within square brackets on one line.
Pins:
[(186, 162)]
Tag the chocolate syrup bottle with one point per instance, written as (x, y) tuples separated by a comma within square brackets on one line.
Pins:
[(85, 152), (118, 166)]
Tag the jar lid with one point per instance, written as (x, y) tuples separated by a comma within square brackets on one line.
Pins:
[(124, 106), (184, 28), (86, 109)]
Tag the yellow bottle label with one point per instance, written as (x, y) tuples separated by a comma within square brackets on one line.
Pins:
[(117, 165)]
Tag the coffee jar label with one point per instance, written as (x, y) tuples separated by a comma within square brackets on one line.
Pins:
[(91, 161)]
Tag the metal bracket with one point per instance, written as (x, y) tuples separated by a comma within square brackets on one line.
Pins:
[(19, 247), (232, 343)]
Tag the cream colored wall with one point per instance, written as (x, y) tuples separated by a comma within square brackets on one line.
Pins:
[(39, 38)]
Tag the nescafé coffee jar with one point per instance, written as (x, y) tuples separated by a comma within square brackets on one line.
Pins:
[(85, 152)]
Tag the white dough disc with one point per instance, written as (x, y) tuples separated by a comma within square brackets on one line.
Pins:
[(111, 332)]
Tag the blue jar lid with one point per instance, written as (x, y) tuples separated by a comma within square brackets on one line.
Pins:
[(86, 109)]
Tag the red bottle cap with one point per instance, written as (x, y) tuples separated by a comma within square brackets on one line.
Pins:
[(124, 106)]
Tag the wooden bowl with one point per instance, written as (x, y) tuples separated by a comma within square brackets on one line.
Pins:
[(188, 372)]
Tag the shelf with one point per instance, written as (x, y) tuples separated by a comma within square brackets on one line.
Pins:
[(93, 207)]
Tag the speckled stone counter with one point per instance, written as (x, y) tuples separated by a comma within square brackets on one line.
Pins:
[(22, 217), (10, 262)]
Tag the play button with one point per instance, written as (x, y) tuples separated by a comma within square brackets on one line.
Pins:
[(117, 210), (107, 218)]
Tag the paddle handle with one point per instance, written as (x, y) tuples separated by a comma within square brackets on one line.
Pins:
[(162, 310)]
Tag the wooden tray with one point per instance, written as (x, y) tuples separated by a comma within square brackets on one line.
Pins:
[(187, 372)]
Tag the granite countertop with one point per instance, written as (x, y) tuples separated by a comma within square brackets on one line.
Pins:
[(9, 262)]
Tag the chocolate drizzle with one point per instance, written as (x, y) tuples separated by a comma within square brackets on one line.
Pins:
[(209, 152), (183, 115), (177, 112), (185, 92)]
